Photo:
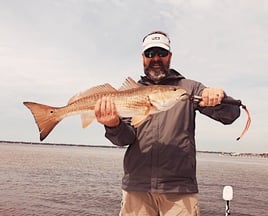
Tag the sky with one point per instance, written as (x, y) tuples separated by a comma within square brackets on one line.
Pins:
[(53, 49)]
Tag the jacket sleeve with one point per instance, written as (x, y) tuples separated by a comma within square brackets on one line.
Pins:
[(224, 113), (122, 135)]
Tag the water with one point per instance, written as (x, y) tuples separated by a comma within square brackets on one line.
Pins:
[(69, 180)]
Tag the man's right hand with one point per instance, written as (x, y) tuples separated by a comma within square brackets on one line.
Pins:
[(106, 113)]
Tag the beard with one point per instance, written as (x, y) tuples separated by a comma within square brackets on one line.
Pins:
[(156, 74)]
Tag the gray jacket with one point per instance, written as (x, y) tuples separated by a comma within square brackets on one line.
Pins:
[(161, 153)]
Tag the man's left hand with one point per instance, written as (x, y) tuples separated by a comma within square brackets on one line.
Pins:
[(211, 97)]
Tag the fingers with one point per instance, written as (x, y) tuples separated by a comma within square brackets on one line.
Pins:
[(105, 112), (211, 96), (112, 107), (97, 109), (103, 107)]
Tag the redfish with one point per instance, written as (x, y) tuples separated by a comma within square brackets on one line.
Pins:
[(131, 100)]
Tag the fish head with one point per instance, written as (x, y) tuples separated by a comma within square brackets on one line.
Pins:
[(164, 97)]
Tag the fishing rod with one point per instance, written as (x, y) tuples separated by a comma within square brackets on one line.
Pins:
[(227, 195), (230, 101)]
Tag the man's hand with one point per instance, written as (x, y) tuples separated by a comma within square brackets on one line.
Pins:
[(211, 96), (105, 112)]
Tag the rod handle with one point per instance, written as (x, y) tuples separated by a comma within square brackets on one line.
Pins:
[(231, 101)]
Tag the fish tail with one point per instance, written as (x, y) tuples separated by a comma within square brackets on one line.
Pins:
[(45, 117)]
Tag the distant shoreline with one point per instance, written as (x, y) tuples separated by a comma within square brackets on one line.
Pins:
[(57, 144), (232, 154), (237, 154)]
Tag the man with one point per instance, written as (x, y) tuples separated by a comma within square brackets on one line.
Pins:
[(160, 161)]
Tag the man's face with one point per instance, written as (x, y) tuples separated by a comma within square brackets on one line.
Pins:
[(156, 63)]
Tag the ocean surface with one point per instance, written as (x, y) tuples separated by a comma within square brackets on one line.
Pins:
[(69, 180)]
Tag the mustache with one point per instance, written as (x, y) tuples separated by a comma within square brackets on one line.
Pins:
[(152, 63)]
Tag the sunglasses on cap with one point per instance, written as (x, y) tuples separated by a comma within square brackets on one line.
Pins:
[(150, 53)]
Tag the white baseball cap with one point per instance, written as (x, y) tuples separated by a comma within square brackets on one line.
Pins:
[(156, 40)]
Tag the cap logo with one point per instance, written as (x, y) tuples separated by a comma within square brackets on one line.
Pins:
[(156, 38)]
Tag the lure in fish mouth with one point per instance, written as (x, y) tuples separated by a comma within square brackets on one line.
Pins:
[(131, 100)]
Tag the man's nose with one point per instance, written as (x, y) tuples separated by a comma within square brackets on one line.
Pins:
[(156, 57)]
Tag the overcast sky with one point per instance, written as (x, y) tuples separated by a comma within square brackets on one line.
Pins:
[(52, 49)]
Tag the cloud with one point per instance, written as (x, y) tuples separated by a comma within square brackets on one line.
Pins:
[(50, 50)]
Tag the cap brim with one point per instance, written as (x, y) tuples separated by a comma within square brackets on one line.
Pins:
[(161, 45)]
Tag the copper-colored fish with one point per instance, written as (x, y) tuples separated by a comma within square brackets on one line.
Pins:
[(131, 100)]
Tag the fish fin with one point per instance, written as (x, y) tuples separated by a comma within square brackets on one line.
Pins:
[(137, 121), (105, 88), (44, 116), (87, 119), (129, 84)]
